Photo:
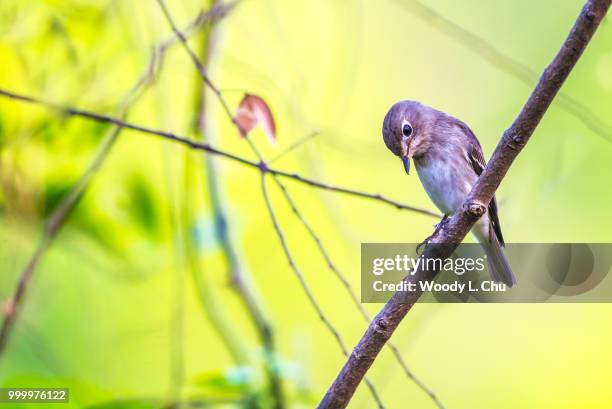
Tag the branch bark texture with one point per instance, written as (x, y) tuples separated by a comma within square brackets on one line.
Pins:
[(446, 239)]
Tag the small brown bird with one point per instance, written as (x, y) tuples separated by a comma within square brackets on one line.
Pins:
[(448, 159)]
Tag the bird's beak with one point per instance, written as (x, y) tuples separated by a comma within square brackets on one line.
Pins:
[(406, 154), (406, 161)]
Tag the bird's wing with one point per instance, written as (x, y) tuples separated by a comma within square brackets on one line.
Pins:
[(478, 164)]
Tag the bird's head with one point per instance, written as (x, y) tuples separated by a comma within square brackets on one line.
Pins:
[(407, 129)]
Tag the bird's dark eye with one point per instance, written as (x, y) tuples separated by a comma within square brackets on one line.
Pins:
[(407, 130)]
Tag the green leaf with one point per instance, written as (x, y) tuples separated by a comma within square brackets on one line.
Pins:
[(141, 204), (55, 191)]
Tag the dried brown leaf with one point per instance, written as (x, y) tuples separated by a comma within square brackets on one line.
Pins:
[(254, 111)]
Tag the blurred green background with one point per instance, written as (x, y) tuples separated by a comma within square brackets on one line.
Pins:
[(132, 305)]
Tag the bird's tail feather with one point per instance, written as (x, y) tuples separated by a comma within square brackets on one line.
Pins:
[(498, 263)]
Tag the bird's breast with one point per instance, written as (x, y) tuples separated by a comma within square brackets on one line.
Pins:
[(447, 181)]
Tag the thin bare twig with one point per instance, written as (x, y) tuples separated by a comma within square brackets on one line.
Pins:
[(294, 267), (294, 146), (448, 237), (202, 70), (353, 295), (497, 58), (213, 151), (305, 287)]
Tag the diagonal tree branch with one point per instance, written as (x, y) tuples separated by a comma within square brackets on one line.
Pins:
[(497, 58), (447, 238)]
